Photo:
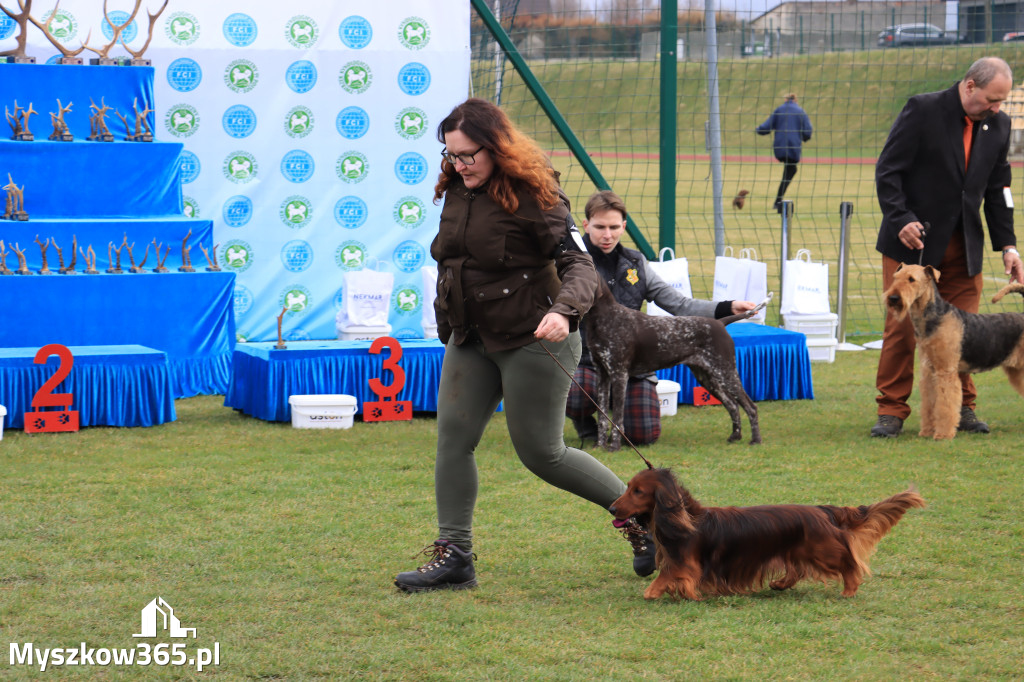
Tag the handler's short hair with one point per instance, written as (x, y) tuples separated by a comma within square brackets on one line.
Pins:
[(604, 200)]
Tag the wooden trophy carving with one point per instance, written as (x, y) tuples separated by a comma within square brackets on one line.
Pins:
[(98, 129), (186, 260), (17, 53), (90, 261), (137, 59), (143, 132), (280, 339), (22, 263), (211, 262), (70, 56), (160, 267), (70, 268), (15, 201), (19, 122), (115, 265), (136, 268), (45, 269), (60, 127), (4, 270)]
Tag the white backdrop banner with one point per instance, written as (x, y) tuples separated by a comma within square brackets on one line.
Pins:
[(309, 132)]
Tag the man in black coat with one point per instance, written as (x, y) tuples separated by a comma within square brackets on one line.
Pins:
[(946, 155)]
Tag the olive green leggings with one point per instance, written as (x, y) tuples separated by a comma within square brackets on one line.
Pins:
[(473, 383)]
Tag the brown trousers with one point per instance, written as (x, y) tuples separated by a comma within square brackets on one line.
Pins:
[(895, 378)]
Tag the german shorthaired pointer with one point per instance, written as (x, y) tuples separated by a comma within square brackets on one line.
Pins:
[(625, 342)]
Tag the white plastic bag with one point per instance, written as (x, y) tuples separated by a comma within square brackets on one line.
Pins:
[(676, 272), (367, 299), (804, 286), (741, 279)]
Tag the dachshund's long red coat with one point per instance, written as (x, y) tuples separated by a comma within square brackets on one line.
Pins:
[(734, 550)]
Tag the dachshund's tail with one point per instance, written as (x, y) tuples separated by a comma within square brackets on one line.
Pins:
[(868, 524), (1012, 287)]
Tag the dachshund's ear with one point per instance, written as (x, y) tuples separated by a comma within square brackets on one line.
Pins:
[(669, 506)]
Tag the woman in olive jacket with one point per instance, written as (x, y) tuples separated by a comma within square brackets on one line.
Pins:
[(513, 280)]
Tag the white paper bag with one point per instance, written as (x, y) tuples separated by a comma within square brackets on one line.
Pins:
[(676, 272), (429, 294), (804, 286), (366, 299), (741, 279)]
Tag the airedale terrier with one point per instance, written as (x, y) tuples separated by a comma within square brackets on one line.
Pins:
[(952, 341)]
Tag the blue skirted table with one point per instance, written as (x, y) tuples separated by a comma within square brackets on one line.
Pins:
[(773, 365), (263, 377), (111, 385), (189, 316)]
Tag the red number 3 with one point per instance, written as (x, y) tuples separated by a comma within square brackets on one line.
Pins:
[(390, 363), (387, 408)]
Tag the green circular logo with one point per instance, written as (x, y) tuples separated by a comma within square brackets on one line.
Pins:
[(241, 75), (410, 212), (301, 31), (181, 28), (296, 211), (411, 123), (350, 255), (236, 256), (355, 77), (240, 167), (182, 120), (298, 122), (352, 167), (414, 33)]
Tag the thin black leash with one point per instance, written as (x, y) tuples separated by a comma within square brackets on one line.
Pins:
[(924, 232), (621, 433)]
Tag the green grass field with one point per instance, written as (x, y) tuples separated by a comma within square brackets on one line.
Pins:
[(280, 546)]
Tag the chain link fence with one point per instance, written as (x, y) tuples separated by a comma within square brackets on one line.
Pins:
[(601, 67)]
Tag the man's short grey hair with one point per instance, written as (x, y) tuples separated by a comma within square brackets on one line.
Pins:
[(985, 69)]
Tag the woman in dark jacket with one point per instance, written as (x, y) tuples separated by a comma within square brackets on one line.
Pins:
[(513, 281)]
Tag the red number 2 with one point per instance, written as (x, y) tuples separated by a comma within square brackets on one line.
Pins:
[(45, 397)]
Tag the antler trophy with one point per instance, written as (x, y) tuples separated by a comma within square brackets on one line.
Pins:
[(60, 127), (137, 59), (70, 56), (98, 129), (186, 260), (160, 267), (17, 54), (45, 268), (280, 339), (4, 270), (90, 261), (211, 261), (19, 122)]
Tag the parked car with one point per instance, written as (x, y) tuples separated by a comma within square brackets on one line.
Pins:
[(915, 34), (1013, 37)]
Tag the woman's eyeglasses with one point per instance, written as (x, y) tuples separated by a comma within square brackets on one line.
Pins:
[(466, 159)]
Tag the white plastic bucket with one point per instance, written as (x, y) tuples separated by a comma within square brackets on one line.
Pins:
[(668, 396), (328, 411)]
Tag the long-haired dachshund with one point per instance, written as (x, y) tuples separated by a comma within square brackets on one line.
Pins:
[(734, 550)]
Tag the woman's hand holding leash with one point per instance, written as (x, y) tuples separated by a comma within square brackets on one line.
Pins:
[(553, 327)]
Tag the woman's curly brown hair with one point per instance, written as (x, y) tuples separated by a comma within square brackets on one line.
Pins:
[(519, 163)]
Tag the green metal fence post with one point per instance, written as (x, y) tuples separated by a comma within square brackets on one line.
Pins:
[(667, 125), (555, 116)]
